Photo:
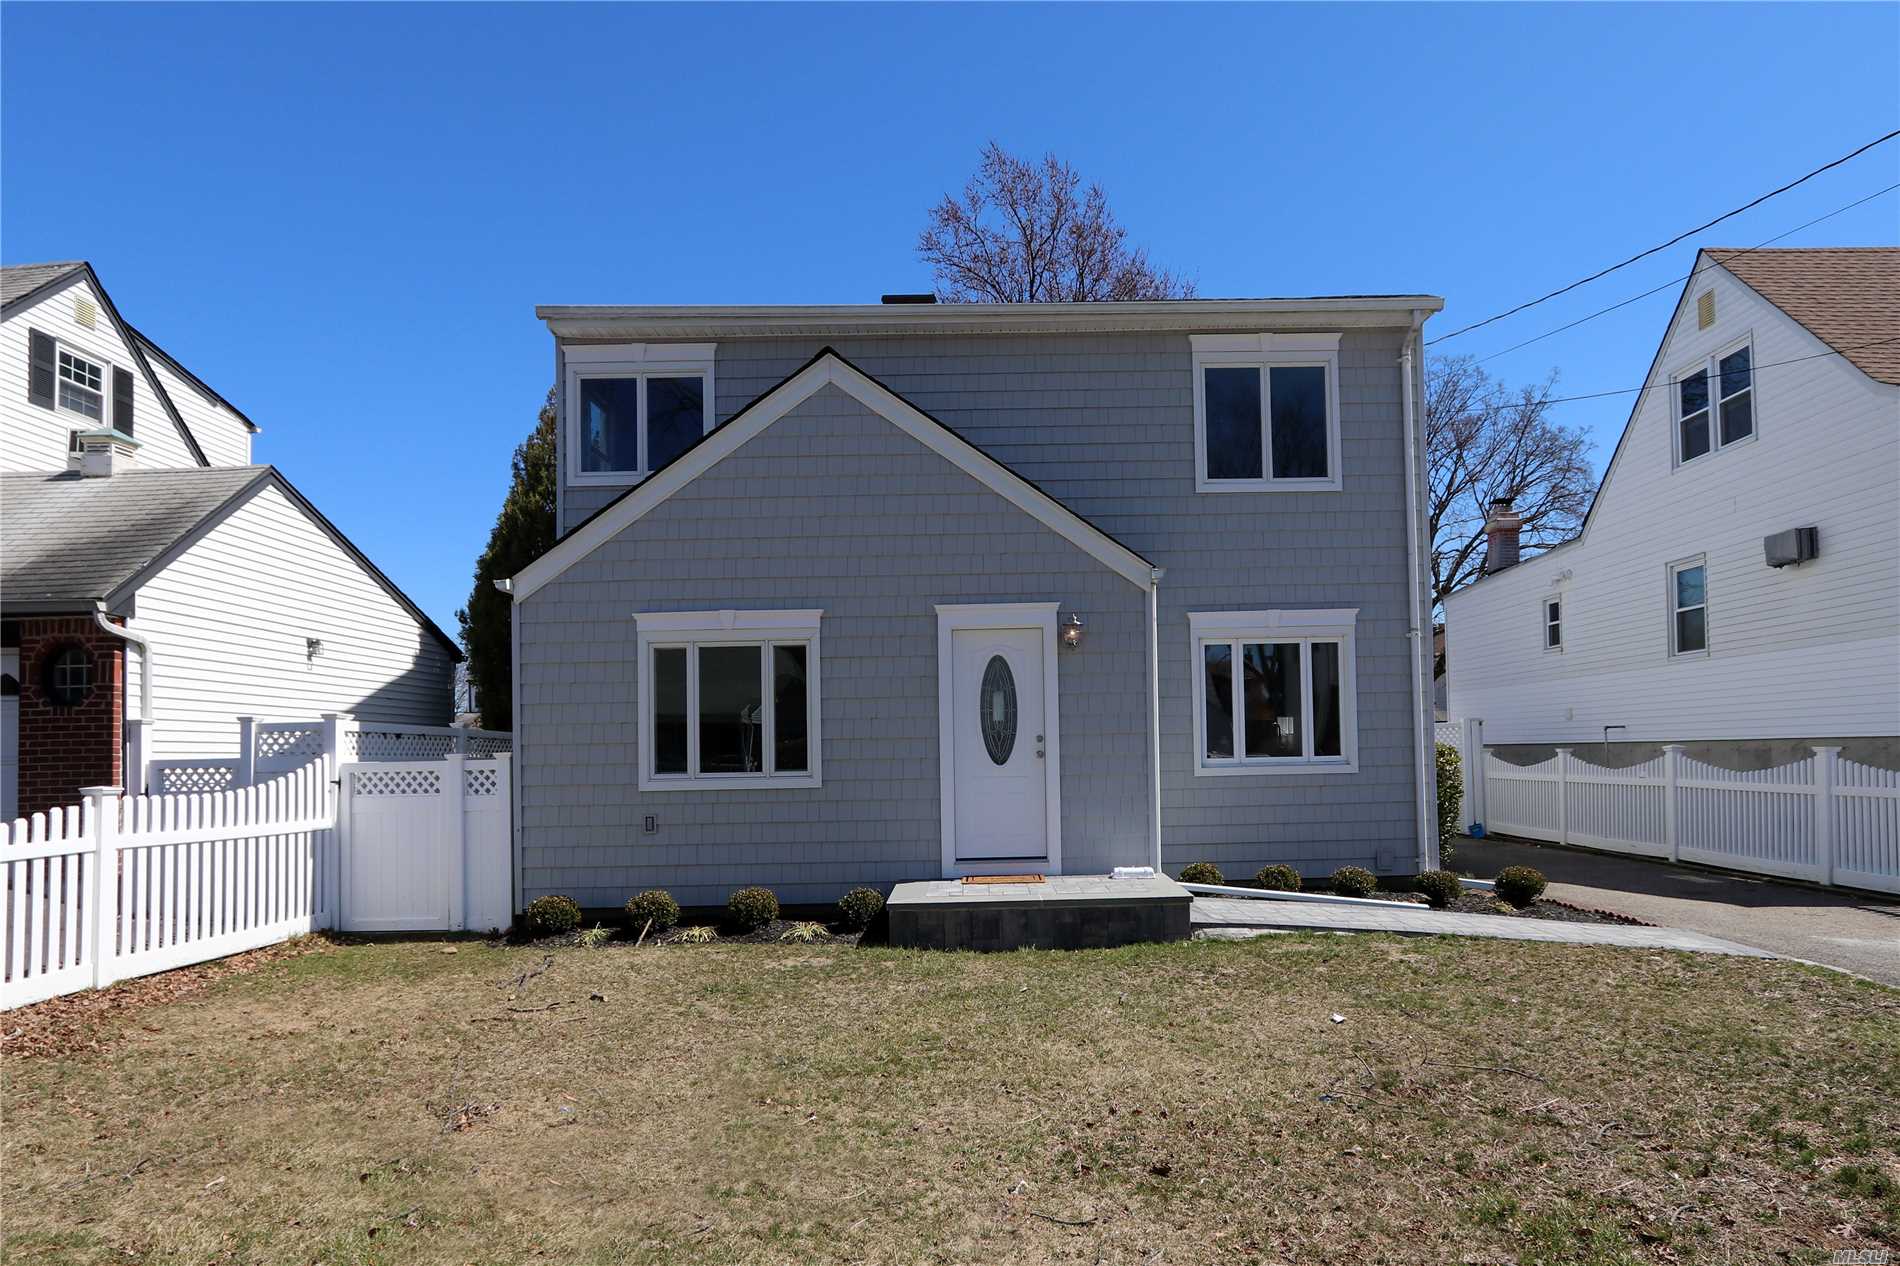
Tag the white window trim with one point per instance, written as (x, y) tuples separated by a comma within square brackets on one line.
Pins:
[(1266, 352), (1544, 605), (1303, 626), (629, 360), (693, 629), (105, 420), (1669, 604), (1712, 365)]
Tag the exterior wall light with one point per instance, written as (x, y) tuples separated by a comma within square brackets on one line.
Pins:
[(1072, 632)]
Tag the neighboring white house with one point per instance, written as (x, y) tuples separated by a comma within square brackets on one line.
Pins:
[(1738, 575), (155, 586)]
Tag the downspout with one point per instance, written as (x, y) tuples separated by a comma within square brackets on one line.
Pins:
[(507, 586), (1154, 711), (1425, 793), (135, 783)]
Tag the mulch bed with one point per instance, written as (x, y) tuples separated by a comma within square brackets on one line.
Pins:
[(86, 1021), (771, 934)]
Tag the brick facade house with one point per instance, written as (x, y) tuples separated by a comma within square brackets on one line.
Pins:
[(71, 714)]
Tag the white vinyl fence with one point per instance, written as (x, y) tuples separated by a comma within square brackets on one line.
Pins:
[(124, 886), (272, 747), (1821, 818)]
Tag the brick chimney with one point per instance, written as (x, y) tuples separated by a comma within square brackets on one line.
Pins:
[(1500, 536)]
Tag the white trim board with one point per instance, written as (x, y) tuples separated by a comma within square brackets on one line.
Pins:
[(830, 369), (952, 617)]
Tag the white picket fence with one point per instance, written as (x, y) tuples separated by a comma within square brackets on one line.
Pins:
[(123, 886), (1821, 818)]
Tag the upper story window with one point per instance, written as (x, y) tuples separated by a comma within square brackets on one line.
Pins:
[(1266, 412), (60, 377), (82, 385), (1553, 624), (1715, 403), (634, 407), (1274, 691), (1689, 599), (728, 700)]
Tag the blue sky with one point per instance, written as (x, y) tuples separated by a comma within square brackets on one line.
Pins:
[(342, 216)]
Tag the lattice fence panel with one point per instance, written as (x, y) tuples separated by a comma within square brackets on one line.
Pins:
[(397, 782)]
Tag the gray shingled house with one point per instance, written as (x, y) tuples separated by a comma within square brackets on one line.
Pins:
[(863, 594)]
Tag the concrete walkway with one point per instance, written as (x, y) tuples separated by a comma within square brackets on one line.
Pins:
[(1860, 934), (1245, 916)]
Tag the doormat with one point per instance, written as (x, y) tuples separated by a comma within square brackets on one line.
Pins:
[(1002, 879)]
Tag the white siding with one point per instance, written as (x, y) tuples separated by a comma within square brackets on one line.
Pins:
[(219, 432), (33, 437), (1796, 652), (229, 617)]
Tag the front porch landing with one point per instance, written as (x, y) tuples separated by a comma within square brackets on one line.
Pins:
[(1062, 912)]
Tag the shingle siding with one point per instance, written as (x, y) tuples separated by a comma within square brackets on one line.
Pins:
[(1104, 423), (835, 508)]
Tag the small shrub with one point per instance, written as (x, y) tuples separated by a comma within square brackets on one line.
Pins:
[(1440, 887), (697, 936), (656, 904), (1277, 878), (595, 937), (803, 933), (751, 908), (1451, 801), (1519, 885), (551, 916), (858, 907), (1202, 873), (1354, 881)]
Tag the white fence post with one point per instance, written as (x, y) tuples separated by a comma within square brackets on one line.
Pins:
[(102, 899), (138, 755), (1563, 795), (454, 792), (1472, 755), (247, 752), (1824, 779), (1672, 771)]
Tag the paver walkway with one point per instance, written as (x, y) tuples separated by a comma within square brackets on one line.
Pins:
[(1856, 932), (1243, 915)]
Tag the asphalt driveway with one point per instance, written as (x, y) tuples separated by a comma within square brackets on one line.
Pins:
[(1860, 934)]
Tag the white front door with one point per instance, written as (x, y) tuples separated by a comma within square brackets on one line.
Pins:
[(999, 748)]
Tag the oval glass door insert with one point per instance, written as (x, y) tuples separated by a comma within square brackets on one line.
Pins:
[(996, 710)]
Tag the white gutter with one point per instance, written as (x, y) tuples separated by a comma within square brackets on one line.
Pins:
[(1154, 711), (1425, 794), (145, 659)]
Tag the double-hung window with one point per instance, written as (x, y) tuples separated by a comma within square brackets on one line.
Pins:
[(1266, 412), (82, 387), (1715, 402), (728, 700), (1689, 607), (1553, 624), (1274, 691), (634, 407)]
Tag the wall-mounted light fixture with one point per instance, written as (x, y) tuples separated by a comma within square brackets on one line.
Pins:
[(1072, 629), (312, 647)]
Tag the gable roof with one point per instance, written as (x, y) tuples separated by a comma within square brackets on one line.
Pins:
[(1846, 296), (828, 368), (1858, 270), (75, 544), (178, 368), (24, 283)]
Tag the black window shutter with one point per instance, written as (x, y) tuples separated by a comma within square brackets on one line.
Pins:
[(39, 368), (122, 400)]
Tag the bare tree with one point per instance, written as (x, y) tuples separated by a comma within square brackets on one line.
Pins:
[(1486, 440), (1026, 232)]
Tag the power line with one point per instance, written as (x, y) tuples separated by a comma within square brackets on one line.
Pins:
[(1494, 410), (1726, 215), (1676, 281)]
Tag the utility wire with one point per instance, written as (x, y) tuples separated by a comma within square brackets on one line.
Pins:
[(1667, 285), (1494, 410), (1726, 215)]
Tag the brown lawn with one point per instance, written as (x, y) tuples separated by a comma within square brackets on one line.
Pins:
[(1480, 1102)]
